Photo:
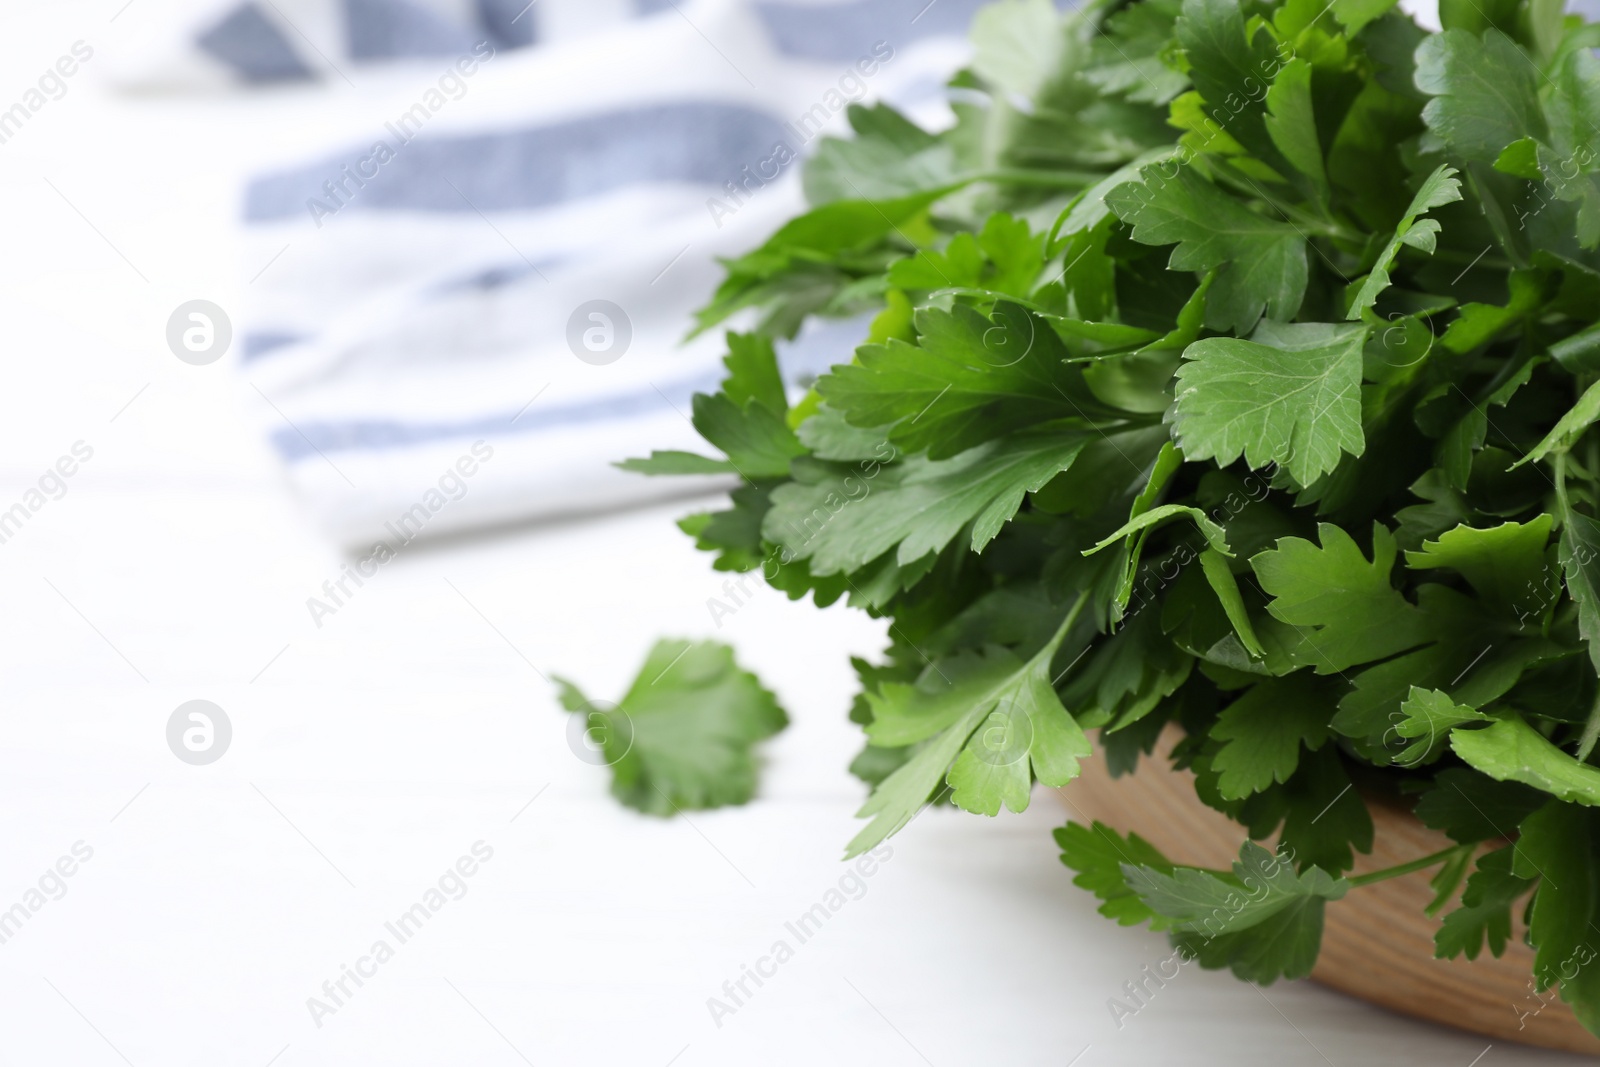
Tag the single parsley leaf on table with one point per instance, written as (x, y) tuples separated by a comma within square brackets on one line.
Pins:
[(683, 736)]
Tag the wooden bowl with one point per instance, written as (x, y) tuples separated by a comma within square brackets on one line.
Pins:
[(1377, 943)]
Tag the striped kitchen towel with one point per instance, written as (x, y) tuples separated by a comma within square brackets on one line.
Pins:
[(493, 268), (208, 44), (223, 43)]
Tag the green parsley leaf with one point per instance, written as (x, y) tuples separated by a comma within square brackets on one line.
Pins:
[(1580, 562), (1263, 920), (673, 462), (889, 158), (1214, 534), (1291, 122), (1025, 733), (1127, 56), (1346, 609), (1485, 92), (840, 522), (1557, 843), (1097, 853), (1438, 189), (1429, 716), (1290, 397), (1567, 428), (802, 267), (969, 379), (1472, 807), (1005, 257), (1264, 731), (1571, 162), (744, 419), (756, 440), (1264, 260), (753, 375), (829, 435), (1227, 62), (1505, 564), (682, 737), (1511, 750), (1485, 912)]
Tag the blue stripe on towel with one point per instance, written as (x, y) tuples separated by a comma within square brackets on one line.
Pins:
[(399, 29), (494, 277), (509, 22), (258, 343), (314, 438), (700, 142), (814, 351), (247, 41)]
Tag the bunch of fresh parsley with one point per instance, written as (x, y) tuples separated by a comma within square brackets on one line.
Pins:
[(1234, 365)]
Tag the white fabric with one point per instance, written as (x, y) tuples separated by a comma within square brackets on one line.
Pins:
[(385, 330)]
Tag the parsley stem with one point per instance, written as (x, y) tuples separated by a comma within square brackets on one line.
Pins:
[(1403, 868), (1564, 508)]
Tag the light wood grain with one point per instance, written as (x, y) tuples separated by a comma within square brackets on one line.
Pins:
[(1377, 944)]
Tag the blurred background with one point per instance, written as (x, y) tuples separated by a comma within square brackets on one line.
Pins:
[(284, 281)]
